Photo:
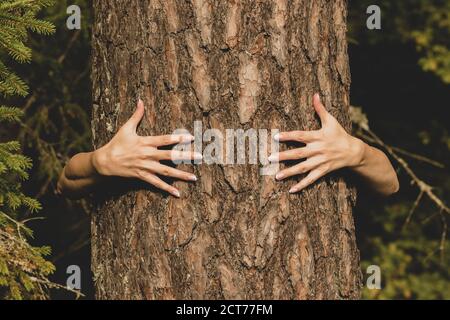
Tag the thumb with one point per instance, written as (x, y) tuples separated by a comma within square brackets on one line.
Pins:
[(136, 118), (320, 109)]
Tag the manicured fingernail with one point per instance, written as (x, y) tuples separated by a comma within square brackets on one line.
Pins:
[(176, 193), (186, 138), (273, 157), (279, 176), (198, 156), (193, 178), (276, 137), (293, 190)]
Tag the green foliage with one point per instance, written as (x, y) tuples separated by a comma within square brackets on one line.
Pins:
[(411, 262), (424, 23), (432, 39), (56, 124), (23, 268), (413, 258), (17, 18), (56, 121)]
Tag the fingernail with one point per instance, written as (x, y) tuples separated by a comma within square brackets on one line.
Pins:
[(317, 96), (186, 138), (272, 158), (176, 193), (276, 137), (293, 190), (198, 156), (279, 176), (193, 178)]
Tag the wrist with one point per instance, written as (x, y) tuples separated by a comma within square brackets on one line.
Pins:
[(358, 151), (99, 161)]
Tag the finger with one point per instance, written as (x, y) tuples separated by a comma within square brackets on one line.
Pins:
[(167, 140), (293, 154), (300, 168), (320, 109), (136, 118), (300, 136), (176, 155), (172, 172), (312, 177), (158, 183)]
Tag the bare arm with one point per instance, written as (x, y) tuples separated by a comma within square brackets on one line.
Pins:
[(79, 176), (332, 148), (127, 155), (376, 169)]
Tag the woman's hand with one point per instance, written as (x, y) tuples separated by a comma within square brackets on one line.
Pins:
[(325, 150), (132, 156)]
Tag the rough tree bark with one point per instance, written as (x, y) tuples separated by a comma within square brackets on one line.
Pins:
[(233, 234)]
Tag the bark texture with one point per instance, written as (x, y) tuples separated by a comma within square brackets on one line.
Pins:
[(235, 233)]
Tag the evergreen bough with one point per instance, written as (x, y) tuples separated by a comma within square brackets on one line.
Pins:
[(23, 268)]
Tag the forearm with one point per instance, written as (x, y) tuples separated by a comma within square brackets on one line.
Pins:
[(79, 176), (376, 169)]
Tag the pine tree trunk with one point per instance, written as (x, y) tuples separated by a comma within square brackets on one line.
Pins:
[(235, 234)]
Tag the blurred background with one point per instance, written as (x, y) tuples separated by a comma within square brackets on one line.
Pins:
[(400, 80)]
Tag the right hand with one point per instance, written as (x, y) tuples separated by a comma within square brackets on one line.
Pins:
[(131, 156)]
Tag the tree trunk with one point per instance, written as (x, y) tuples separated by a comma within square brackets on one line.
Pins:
[(235, 234)]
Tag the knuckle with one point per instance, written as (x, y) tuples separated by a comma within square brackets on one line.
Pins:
[(298, 153), (140, 164), (320, 150), (142, 156), (140, 174), (298, 135), (141, 141), (170, 139), (301, 168), (152, 153), (159, 155), (157, 184)]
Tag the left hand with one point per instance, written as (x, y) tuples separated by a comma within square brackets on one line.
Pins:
[(325, 150)]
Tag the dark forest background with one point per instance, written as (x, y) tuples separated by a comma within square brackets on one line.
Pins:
[(400, 80)]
